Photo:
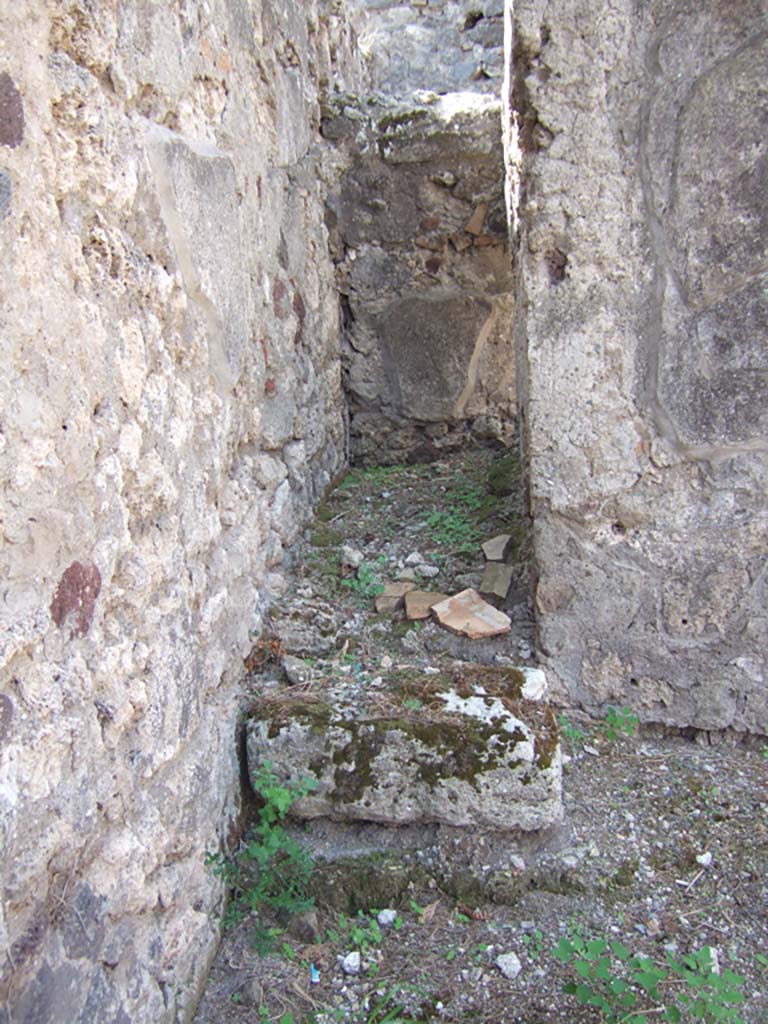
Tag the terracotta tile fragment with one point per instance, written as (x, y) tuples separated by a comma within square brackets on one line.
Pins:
[(469, 614), (391, 598), (474, 225), (418, 603)]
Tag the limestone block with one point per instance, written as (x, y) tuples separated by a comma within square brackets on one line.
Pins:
[(198, 195), (431, 342), (475, 763)]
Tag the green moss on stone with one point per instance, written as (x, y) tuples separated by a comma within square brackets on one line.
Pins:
[(462, 748), (503, 475), (316, 715), (324, 537), (401, 119), (372, 880)]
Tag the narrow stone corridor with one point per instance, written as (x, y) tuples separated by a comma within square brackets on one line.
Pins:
[(476, 866)]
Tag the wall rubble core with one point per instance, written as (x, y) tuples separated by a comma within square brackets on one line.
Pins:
[(171, 409), (641, 335), (419, 232)]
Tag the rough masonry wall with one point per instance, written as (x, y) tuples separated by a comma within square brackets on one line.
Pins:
[(419, 232), (170, 407), (643, 355), (440, 45), (420, 235)]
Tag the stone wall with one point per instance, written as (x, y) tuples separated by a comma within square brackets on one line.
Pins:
[(440, 45), (420, 236), (171, 407), (420, 233), (641, 155)]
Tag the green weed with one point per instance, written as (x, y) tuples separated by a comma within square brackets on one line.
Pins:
[(572, 734), (366, 583), (453, 529), (534, 943), (618, 723), (626, 987), (358, 933), (270, 870)]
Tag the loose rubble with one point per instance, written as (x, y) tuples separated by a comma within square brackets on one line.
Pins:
[(641, 815)]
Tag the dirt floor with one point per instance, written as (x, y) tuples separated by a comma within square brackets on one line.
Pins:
[(662, 853)]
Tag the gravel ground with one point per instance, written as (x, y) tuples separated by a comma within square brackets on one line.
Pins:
[(663, 848)]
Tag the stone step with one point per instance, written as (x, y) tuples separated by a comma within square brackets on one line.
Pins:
[(473, 750)]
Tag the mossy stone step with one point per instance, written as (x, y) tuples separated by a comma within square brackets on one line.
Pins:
[(469, 759)]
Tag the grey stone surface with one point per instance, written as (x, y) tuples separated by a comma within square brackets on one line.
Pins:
[(6, 191), (449, 46), (641, 331), (476, 764), (424, 267), (171, 409), (497, 579)]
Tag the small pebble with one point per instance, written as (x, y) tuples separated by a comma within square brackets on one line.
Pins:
[(351, 557), (350, 963), (296, 670), (509, 965), (705, 859), (430, 571), (415, 558), (386, 918)]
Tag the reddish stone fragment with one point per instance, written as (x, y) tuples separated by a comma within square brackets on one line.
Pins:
[(474, 225), (391, 598), (76, 597), (279, 293), (300, 311), (418, 603), (469, 614)]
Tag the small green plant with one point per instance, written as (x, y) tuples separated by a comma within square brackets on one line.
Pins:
[(417, 909), (359, 933), (618, 723), (626, 987), (271, 869), (265, 939), (265, 1018), (479, 953), (366, 583), (534, 943), (399, 1003), (574, 736), (453, 529)]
